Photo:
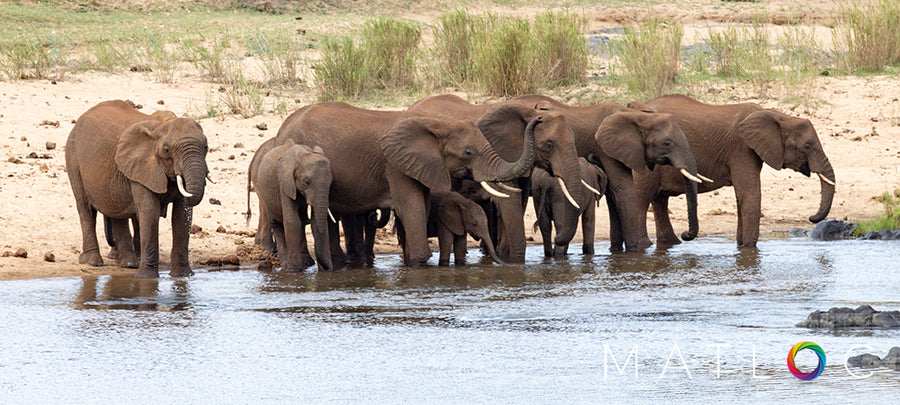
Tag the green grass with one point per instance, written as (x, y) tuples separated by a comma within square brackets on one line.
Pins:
[(649, 56), (890, 217), (871, 35)]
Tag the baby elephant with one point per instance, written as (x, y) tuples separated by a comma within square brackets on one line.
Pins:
[(287, 179), (452, 217), (551, 205)]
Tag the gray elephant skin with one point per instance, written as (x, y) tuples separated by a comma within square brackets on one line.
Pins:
[(289, 178), (126, 164), (552, 209)]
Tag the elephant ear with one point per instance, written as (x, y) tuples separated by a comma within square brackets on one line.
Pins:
[(503, 126), (451, 216), (602, 179), (637, 105), (287, 163), (761, 131), (620, 137), (136, 156), (413, 147)]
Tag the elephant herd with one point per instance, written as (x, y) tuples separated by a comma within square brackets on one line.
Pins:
[(443, 167)]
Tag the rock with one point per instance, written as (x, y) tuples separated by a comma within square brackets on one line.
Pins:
[(49, 257), (48, 123), (32, 155), (161, 102), (14, 160), (233, 260), (195, 229), (221, 229), (871, 235), (229, 260), (832, 229), (262, 126), (885, 234), (798, 232), (864, 360), (893, 357), (863, 316), (239, 145), (6, 254), (50, 145), (214, 201), (20, 252)]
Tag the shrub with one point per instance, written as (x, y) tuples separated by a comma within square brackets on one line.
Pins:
[(453, 46), (559, 49), (871, 35), (890, 218), (391, 47), (502, 61), (649, 56), (342, 73)]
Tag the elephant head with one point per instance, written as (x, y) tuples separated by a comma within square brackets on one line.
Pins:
[(155, 153), (789, 142), (462, 216), (308, 172), (555, 152), (432, 150), (642, 139)]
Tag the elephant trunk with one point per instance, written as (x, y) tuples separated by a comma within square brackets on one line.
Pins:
[(495, 168), (565, 165), (376, 222), (690, 194), (194, 171), (827, 180), (320, 231), (490, 248)]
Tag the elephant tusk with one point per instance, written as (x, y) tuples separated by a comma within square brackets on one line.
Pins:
[(180, 181), (825, 179), (690, 176), (492, 191), (509, 188), (706, 179), (330, 215), (588, 186), (565, 191), (210, 179)]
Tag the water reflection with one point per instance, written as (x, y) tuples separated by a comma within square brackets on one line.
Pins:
[(128, 292)]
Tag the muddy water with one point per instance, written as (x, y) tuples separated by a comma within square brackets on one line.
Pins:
[(704, 320)]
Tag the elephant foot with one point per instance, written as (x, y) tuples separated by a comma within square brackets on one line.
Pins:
[(113, 253), (128, 260), (667, 241), (307, 261), (91, 258), (147, 272), (587, 249), (444, 262), (180, 271), (561, 250), (267, 245), (292, 269)]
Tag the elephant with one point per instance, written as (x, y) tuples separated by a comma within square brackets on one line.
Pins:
[(624, 141), (395, 159), (731, 142), (551, 207), (359, 236), (503, 124), (451, 218), (289, 178), (126, 165), (264, 237)]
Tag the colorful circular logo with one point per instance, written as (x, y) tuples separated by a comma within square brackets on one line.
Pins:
[(793, 353)]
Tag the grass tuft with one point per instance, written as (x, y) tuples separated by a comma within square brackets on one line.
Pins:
[(649, 56), (890, 218), (871, 35)]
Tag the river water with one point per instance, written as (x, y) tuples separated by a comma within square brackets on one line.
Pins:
[(705, 321)]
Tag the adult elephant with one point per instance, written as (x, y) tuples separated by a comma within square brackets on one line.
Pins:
[(731, 142), (289, 179), (503, 125), (126, 164), (394, 159), (623, 141)]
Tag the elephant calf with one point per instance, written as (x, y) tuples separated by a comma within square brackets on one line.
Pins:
[(290, 177), (552, 207), (126, 165)]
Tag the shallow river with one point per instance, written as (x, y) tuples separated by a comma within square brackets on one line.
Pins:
[(704, 320)]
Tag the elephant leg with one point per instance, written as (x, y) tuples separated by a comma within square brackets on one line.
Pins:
[(459, 250), (565, 219), (546, 227), (616, 239), (295, 250), (124, 249), (90, 248), (588, 223), (182, 216), (110, 238), (280, 241), (445, 244), (264, 238), (401, 237), (353, 238), (136, 236), (512, 229), (369, 243), (625, 214), (665, 234), (748, 195), (412, 206), (148, 209)]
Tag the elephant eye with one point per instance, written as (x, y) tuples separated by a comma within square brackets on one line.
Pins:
[(807, 147), (469, 151), (667, 143), (548, 145)]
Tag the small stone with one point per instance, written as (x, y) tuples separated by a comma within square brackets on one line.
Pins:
[(160, 102), (23, 139), (32, 155), (20, 252), (48, 123), (239, 145), (195, 229), (239, 241), (231, 157), (6, 254), (49, 257), (14, 160), (262, 126), (221, 229), (50, 145), (232, 260), (864, 360), (871, 235), (214, 201)]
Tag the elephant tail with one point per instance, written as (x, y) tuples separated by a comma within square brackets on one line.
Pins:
[(249, 213)]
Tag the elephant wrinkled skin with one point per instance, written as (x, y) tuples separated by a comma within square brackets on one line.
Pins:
[(731, 142), (126, 164)]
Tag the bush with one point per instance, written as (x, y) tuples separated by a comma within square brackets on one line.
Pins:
[(559, 49), (872, 35), (391, 47), (502, 61), (890, 218), (454, 46), (649, 56), (342, 73)]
